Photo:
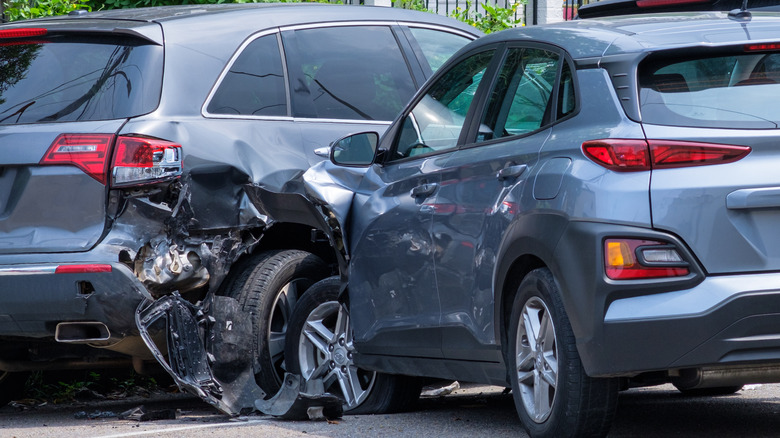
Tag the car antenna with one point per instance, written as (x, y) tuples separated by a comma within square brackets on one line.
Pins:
[(742, 13)]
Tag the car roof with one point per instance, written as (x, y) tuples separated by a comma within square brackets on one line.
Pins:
[(598, 37), (248, 14), (605, 8)]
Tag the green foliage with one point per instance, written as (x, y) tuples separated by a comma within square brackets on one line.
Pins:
[(415, 5), (22, 9), (495, 18)]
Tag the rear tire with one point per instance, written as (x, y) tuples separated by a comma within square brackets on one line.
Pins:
[(268, 286), (12, 386), (554, 397), (320, 345)]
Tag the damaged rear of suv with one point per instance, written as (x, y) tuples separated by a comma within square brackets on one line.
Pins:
[(137, 149)]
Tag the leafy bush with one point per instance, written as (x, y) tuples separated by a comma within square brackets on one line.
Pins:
[(495, 18), (22, 9)]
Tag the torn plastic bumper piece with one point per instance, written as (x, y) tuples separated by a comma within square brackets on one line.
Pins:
[(291, 403), (209, 354), (207, 350)]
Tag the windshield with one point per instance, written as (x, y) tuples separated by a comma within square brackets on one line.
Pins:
[(736, 91), (78, 79)]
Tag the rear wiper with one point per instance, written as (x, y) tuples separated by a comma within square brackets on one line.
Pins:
[(20, 111)]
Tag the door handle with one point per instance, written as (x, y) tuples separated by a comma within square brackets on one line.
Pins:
[(424, 190), (511, 172)]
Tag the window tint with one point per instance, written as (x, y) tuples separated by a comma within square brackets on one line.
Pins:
[(72, 79), (521, 99), (437, 46), (725, 91), (254, 86), (436, 121), (566, 96), (349, 73)]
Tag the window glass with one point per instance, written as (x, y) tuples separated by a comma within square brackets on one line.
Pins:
[(435, 123), (349, 73), (254, 86), (520, 100), (65, 79), (566, 95), (736, 91), (437, 46)]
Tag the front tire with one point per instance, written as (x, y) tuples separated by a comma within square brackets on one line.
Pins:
[(320, 349), (554, 397), (268, 286)]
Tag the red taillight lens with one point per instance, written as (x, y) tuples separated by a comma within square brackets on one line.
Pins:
[(627, 155), (668, 153), (81, 269), (762, 47), (24, 32), (619, 155), (89, 152), (629, 259), (662, 3), (141, 160)]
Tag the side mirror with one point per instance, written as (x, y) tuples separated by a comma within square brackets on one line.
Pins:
[(355, 150)]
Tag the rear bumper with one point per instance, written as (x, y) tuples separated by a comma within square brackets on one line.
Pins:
[(34, 299), (628, 327)]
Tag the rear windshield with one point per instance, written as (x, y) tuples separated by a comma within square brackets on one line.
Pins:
[(734, 91), (78, 79)]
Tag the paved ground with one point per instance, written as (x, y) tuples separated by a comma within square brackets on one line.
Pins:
[(474, 411)]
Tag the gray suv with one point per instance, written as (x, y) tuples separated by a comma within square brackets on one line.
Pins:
[(135, 143), (566, 210)]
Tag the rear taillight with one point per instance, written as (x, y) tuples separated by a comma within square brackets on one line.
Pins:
[(88, 152), (629, 259), (629, 155), (137, 160), (142, 160)]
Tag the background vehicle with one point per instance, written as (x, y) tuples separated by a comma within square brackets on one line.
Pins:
[(570, 210), (133, 148)]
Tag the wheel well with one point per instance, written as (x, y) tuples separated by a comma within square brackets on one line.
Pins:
[(514, 276), (296, 236)]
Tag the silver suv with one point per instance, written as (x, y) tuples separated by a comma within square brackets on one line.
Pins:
[(566, 210)]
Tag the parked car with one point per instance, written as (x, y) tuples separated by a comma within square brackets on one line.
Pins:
[(133, 142), (607, 8), (567, 210)]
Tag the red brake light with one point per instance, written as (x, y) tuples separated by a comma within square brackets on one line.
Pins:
[(766, 47), (668, 153), (81, 269), (140, 160), (24, 32), (625, 155), (89, 152), (662, 3), (618, 154)]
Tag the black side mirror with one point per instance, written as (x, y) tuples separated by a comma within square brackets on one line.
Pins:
[(355, 150)]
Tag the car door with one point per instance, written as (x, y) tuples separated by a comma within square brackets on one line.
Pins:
[(482, 184), (393, 298)]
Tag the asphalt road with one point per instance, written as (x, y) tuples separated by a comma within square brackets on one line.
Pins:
[(474, 411)]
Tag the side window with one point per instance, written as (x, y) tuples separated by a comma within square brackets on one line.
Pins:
[(435, 123), (355, 72), (566, 96), (521, 100), (254, 85), (437, 46)]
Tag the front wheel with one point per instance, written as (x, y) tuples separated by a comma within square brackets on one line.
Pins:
[(320, 349), (554, 397)]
